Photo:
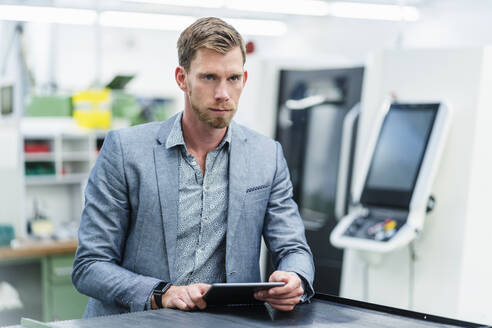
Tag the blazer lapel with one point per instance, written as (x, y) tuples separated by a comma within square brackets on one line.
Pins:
[(238, 172), (167, 171)]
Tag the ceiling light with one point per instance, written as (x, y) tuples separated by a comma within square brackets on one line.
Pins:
[(294, 7), (179, 23), (373, 11), (138, 20), (258, 26), (184, 3), (48, 15), (145, 21)]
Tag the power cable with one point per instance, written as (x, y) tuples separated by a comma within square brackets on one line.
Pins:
[(365, 287), (411, 274)]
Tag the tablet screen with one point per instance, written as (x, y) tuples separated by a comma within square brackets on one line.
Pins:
[(236, 293)]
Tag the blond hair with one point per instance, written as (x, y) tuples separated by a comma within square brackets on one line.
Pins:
[(211, 33)]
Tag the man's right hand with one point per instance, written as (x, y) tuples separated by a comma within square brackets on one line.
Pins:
[(185, 298)]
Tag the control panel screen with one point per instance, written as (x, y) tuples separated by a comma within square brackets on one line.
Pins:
[(398, 155)]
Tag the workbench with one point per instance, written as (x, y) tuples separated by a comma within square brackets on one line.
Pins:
[(41, 273), (323, 311)]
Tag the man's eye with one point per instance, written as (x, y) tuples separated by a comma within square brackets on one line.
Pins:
[(234, 78), (209, 77)]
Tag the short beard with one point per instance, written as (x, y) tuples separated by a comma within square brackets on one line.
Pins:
[(213, 122)]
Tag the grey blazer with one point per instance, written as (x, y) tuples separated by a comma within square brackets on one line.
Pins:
[(127, 234)]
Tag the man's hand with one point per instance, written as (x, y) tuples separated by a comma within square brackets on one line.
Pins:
[(185, 298), (282, 298)]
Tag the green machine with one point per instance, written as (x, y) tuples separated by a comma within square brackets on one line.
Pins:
[(49, 105)]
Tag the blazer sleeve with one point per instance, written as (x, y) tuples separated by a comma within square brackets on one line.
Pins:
[(284, 230), (102, 235)]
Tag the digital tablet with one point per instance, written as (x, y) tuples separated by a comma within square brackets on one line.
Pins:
[(236, 293)]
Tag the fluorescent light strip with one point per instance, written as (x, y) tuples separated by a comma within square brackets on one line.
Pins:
[(184, 3), (373, 11), (130, 19), (145, 21), (179, 23), (305, 7), (258, 26), (48, 15), (293, 7)]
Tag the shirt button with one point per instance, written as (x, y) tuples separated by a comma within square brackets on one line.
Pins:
[(207, 188), (198, 251)]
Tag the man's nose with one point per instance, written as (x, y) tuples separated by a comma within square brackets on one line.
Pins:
[(221, 92)]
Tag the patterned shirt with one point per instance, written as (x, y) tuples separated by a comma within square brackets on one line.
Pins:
[(202, 212)]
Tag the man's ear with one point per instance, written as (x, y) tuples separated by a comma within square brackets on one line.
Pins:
[(180, 76)]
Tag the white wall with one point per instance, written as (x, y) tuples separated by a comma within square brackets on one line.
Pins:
[(475, 300), (452, 23)]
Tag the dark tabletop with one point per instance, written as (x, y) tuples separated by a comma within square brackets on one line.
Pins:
[(319, 313)]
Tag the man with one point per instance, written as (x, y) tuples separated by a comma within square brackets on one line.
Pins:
[(174, 206)]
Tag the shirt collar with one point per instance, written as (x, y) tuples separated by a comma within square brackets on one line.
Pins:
[(175, 137)]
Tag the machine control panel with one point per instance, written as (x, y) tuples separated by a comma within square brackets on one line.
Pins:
[(374, 226), (391, 193)]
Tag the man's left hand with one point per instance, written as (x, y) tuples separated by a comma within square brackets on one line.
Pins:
[(286, 297)]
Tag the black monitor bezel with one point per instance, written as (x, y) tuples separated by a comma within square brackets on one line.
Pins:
[(393, 197)]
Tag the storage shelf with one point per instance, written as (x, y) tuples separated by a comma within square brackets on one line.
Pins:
[(79, 156), (39, 157), (54, 177), (73, 177)]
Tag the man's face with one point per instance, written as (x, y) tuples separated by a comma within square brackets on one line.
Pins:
[(214, 84)]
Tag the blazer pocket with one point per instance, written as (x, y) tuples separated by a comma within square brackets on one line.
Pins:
[(257, 188), (258, 193)]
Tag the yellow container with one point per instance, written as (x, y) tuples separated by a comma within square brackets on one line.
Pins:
[(92, 108)]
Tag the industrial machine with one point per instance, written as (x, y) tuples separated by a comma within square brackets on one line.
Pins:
[(390, 204), (317, 109)]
